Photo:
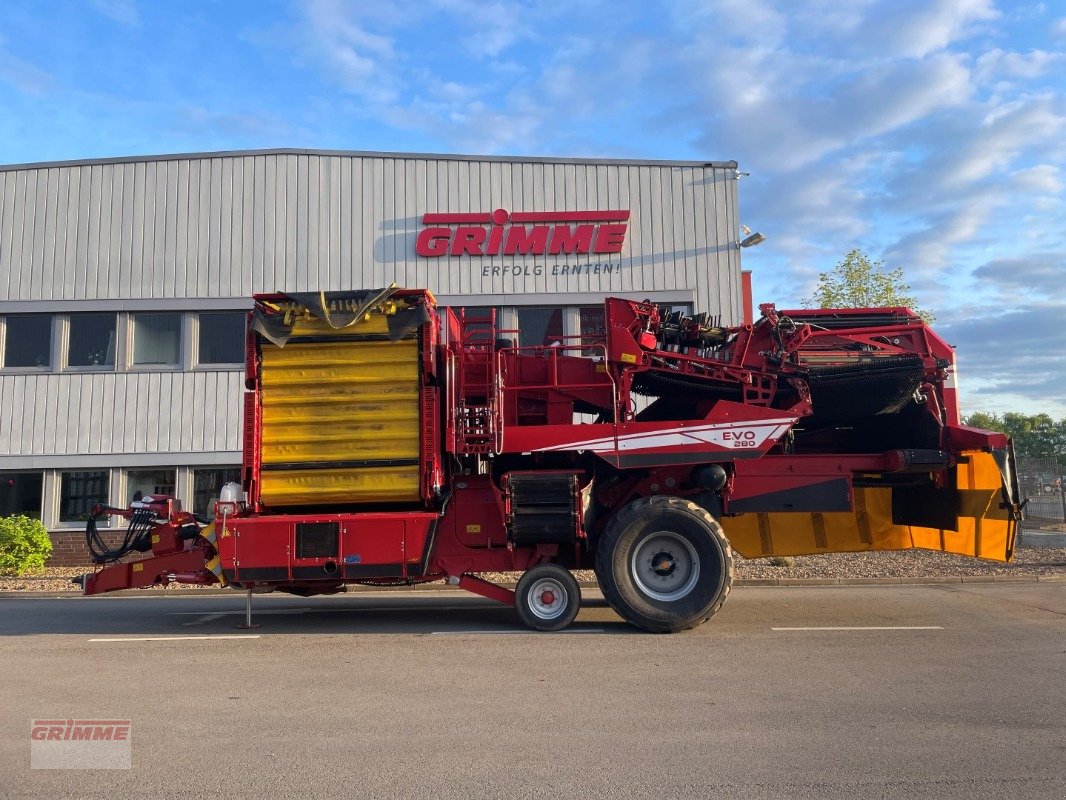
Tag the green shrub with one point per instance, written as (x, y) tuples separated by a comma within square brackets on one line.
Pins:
[(782, 561), (24, 545)]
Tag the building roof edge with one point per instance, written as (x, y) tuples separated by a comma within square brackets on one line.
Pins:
[(290, 151)]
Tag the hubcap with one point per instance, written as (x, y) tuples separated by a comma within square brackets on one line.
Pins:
[(547, 599), (665, 566)]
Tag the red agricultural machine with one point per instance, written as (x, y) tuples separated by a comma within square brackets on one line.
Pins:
[(389, 441)]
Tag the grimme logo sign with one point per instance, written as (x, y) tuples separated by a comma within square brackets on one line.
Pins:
[(531, 233), (80, 743)]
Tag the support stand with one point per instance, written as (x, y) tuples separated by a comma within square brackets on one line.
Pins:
[(248, 624)]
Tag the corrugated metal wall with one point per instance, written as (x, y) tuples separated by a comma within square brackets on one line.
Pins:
[(49, 414), (231, 226), (227, 226)]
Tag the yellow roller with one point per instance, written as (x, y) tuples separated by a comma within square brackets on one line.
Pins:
[(324, 486), (340, 419), (985, 529)]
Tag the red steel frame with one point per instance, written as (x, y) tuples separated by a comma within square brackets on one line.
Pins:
[(490, 407)]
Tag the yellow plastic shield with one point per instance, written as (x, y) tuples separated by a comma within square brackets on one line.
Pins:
[(986, 523)]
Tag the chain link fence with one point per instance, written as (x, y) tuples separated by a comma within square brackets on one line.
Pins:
[(1043, 482)]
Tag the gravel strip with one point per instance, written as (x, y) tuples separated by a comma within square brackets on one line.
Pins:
[(57, 579), (904, 564), (1044, 562)]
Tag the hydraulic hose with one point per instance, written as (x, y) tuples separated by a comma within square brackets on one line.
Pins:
[(137, 536)]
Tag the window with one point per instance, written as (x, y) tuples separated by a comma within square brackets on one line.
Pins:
[(28, 342), (481, 312), (207, 485), (477, 322), (150, 482), (540, 325), (79, 492), (91, 340), (20, 493), (156, 339), (593, 328), (222, 338)]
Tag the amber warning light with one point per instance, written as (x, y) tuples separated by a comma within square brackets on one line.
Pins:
[(533, 233)]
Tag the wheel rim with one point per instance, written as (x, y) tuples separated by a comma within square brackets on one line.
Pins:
[(547, 599), (665, 566)]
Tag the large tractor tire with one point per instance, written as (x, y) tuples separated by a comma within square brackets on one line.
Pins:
[(664, 564)]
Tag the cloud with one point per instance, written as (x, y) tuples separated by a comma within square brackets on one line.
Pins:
[(124, 12), (789, 103), (894, 96), (917, 28), (1006, 355), (246, 126), (996, 64), (360, 60), (1040, 179), (926, 249), (24, 76), (494, 26), (362, 47), (1042, 275), (912, 148), (979, 145)]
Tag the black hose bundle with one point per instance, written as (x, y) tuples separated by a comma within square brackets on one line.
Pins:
[(137, 538)]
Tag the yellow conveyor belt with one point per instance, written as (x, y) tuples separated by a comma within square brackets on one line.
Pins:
[(340, 418)]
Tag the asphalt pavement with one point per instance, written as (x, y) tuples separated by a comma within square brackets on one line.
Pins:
[(843, 691)]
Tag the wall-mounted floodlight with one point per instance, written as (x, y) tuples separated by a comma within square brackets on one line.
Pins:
[(754, 239)]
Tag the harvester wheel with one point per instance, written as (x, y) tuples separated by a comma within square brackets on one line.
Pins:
[(547, 597), (664, 564)]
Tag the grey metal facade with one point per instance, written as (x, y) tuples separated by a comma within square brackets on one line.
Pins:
[(205, 231)]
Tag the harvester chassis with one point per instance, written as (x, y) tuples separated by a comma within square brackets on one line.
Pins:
[(391, 442)]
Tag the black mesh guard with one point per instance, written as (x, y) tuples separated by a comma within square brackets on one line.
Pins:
[(543, 508), (867, 389)]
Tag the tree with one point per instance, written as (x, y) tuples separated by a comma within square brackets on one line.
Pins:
[(985, 421), (858, 282), (1034, 435)]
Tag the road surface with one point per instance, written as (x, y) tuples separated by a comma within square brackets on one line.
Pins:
[(897, 691)]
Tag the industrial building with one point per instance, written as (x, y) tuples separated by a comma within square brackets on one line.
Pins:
[(124, 284)]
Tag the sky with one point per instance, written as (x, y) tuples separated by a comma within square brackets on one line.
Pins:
[(929, 133)]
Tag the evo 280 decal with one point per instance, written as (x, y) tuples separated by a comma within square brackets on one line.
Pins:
[(727, 435)]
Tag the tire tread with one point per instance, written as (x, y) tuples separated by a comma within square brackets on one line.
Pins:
[(631, 513)]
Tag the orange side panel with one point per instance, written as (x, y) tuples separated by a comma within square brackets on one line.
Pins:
[(986, 529)]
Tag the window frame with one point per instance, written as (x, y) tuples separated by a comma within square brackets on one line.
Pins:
[(194, 341), (131, 343), (558, 309), (58, 522), (127, 488), (238, 468), (65, 333), (52, 348), (42, 474)]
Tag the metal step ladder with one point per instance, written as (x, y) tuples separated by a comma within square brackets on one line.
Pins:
[(477, 406)]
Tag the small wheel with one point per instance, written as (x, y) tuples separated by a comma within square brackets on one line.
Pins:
[(547, 597), (664, 564)]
